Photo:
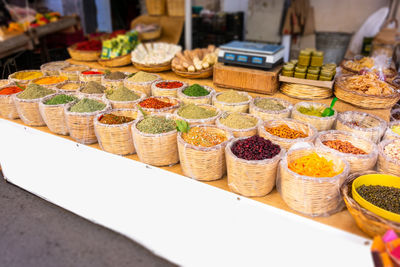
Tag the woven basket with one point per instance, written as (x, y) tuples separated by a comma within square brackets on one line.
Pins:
[(52, 85), (109, 83), (116, 62), (144, 87), (239, 132), (371, 127), (305, 92), (7, 105), (311, 196), (156, 149), (201, 74), (61, 90), (91, 77), (194, 122), (81, 125), (82, 55), (320, 123), (267, 115), (203, 163), (390, 134), (126, 104), (73, 75), (53, 68), (171, 109), (176, 8), (152, 67), (368, 222), (196, 99), (293, 124), (387, 164), (157, 91), (12, 78), (4, 82), (155, 7), (357, 162), (389, 72), (251, 178), (116, 138), (242, 107), (150, 35)]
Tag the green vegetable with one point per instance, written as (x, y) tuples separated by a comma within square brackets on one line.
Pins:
[(182, 126)]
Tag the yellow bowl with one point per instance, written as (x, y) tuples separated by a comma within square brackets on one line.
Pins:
[(376, 179)]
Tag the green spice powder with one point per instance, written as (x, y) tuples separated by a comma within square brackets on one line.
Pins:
[(93, 88), (87, 105), (156, 125), (232, 96), (312, 111), (196, 90), (238, 121), (60, 99), (116, 75), (142, 77), (121, 94), (385, 197), (269, 104), (34, 91), (193, 111)]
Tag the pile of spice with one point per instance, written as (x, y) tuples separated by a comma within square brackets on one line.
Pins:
[(313, 165), (93, 88), (116, 75), (255, 148), (121, 94), (311, 111), (92, 72), (396, 116), (60, 99), (269, 104), (284, 131), (34, 91), (195, 112), (114, 119), (156, 125), (344, 147), (70, 86), (392, 150), (10, 90), (86, 105), (75, 68), (169, 85), (395, 128), (28, 75), (154, 103), (92, 45), (202, 136), (385, 197), (196, 90), (238, 121), (51, 80), (232, 96), (141, 77)]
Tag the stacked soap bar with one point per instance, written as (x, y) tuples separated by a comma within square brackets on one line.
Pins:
[(386, 250)]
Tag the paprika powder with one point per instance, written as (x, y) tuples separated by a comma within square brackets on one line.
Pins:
[(169, 85), (154, 103), (10, 90)]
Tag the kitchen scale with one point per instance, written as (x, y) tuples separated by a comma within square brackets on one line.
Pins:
[(249, 54)]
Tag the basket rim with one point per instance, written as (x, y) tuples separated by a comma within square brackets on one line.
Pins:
[(288, 106), (381, 150), (69, 81), (227, 113), (84, 114), (103, 78), (15, 96), (12, 78), (219, 112), (115, 58), (176, 105), (208, 88), (48, 65), (389, 126), (233, 104), (194, 72), (154, 85), (51, 84), (167, 62), (158, 78), (342, 65), (382, 123), (41, 103), (309, 138), (10, 84), (74, 71), (139, 93), (73, 48), (96, 118)]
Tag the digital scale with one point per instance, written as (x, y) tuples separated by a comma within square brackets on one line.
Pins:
[(249, 54)]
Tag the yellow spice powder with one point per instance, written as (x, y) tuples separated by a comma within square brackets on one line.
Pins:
[(28, 75), (51, 80), (202, 136)]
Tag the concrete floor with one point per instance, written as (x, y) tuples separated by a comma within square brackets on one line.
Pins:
[(34, 232)]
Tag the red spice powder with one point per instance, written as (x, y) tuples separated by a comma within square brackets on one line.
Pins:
[(10, 90), (154, 103), (169, 85), (92, 45), (91, 72)]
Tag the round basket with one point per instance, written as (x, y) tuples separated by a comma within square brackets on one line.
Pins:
[(202, 74), (305, 92), (89, 95), (390, 134), (12, 78), (242, 107), (389, 72), (51, 85), (116, 62), (320, 123), (110, 83), (156, 149), (251, 178), (286, 143), (116, 138), (196, 99), (387, 164), (153, 67), (83, 55), (239, 132), (73, 75), (81, 125), (63, 90), (53, 68), (204, 163), (175, 101), (194, 122), (7, 105), (369, 126), (91, 77), (150, 35), (4, 82), (312, 196), (157, 91), (144, 87), (53, 116), (357, 162), (126, 104), (368, 222), (267, 115)]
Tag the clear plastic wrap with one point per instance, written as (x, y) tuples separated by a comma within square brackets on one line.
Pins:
[(389, 133), (116, 138), (53, 68), (312, 196), (156, 149), (286, 143), (63, 90), (242, 107), (7, 106), (320, 123), (73, 75), (386, 163), (4, 82), (175, 101), (157, 91), (267, 115), (112, 83), (52, 84), (127, 104), (12, 78), (144, 87), (395, 111), (368, 126), (358, 162), (203, 163), (91, 77), (239, 132), (207, 99), (194, 122), (251, 178)]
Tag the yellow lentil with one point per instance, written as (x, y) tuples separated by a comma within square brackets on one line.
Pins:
[(201, 136)]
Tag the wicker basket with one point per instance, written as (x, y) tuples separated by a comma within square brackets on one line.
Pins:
[(251, 178), (305, 92), (194, 122), (387, 164), (81, 125), (110, 83), (239, 132), (390, 134), (152, 67), (285, 143), (91, 77), (156, 149), (126, 104), (201, 74), (12, 78), (242, 107), (53, 68), (368, 222), (176, 8), (311, 196), (144, 87), (82, 55), (320, 123), (370, 127), (267, 115), (116, 138), (357, 162), (150, 35), (157, 91), (116, 62), (196, 99), (73, 75), (203, 163), (61, 90), (4, 82), (155, 7), (7, 105), (389, 72), (52, 85), (175, 101)]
